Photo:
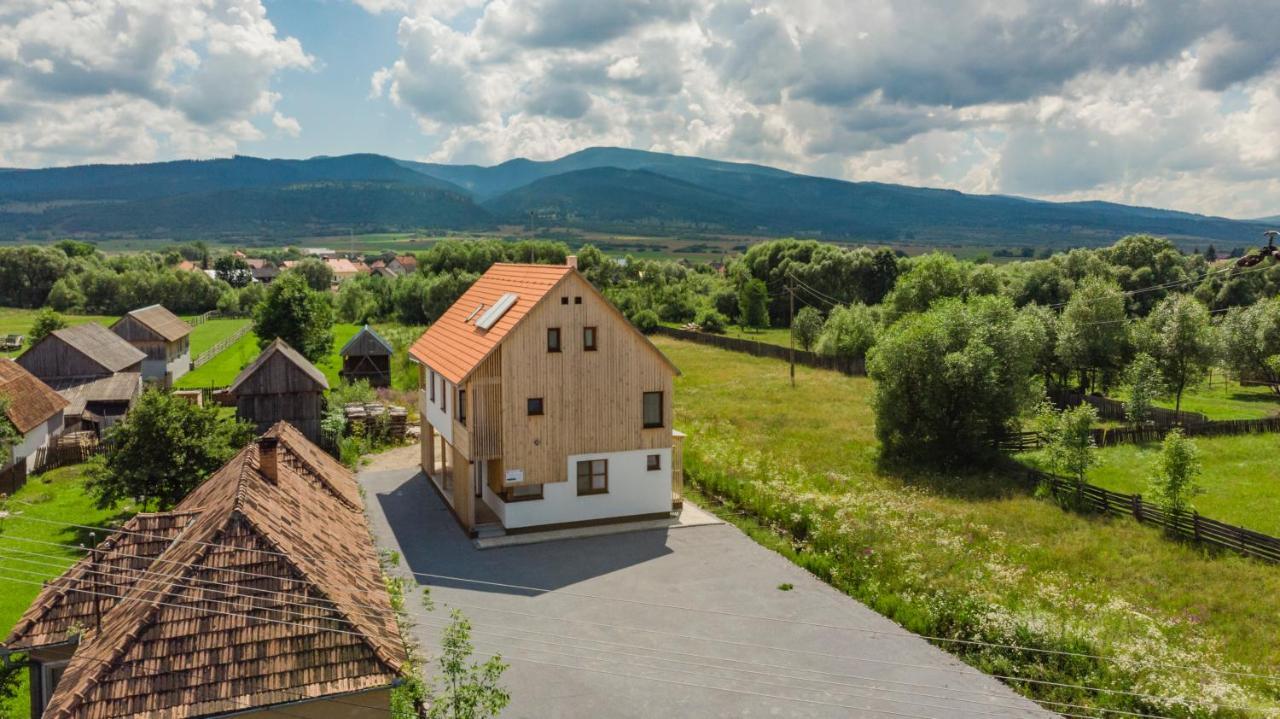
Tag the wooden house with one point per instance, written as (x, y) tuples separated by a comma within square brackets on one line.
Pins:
[(34, 409), (281, 385), (93, 368), (200, 610), (164, 337), (543, 406), (368, 357)]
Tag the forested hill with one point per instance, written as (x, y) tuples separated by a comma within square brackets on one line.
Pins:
[(609, 189)]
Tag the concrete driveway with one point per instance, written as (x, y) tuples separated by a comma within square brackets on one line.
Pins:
[(685, 622)]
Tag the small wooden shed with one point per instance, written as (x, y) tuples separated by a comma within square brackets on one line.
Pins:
[(163, 336), (367, 356), (281, 385)]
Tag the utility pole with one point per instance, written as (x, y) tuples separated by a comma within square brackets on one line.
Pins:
[(791, 349)]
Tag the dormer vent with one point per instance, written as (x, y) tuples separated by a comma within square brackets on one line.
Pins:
[(495, 313)]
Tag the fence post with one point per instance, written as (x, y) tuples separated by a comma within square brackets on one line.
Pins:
[(1195, 524), (1136, 501)]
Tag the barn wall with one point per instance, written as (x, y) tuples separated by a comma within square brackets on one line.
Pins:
[(51, 358)]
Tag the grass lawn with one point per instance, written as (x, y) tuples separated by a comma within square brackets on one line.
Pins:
[(972, 555), (404, 373), (211, 332), (1239, 479), (1223, 400), (780, 336), (331, 363), (57, 495), (18, 321), (221, 371)]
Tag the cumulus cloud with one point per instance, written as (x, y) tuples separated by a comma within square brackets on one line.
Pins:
[(133, 80), (1064, 98)]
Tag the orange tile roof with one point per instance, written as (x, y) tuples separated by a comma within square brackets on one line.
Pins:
[(454, 347), (250, 593), (31, 401), (342, 266)]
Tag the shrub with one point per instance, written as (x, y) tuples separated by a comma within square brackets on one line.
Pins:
[(1174, 483), (1068, 436), (849, 331), (1145, 385), (645, 321), (712, 321), (952, 381), (46, 321), (806, 327)]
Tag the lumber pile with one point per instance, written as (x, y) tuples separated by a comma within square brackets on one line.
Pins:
[(375, 417)]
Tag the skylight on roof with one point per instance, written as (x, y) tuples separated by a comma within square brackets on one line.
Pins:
[(495, 313)]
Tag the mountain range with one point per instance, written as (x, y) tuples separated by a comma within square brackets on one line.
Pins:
[(598, 189)]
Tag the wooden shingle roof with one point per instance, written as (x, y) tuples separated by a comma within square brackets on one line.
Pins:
[(290, 355), (454, 346), (31, 402), (251, 593), (161, 321), (367, 343), (98, 344)]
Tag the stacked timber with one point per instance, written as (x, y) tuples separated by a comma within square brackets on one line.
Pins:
[(374, 416)]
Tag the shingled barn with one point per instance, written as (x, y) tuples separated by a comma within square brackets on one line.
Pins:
[(367, 357), (163, 336), (99, 373)]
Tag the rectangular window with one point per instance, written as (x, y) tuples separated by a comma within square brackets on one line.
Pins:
[(593, 476), (534, 406), (564, 300), (577, 300), (522, 494), (654, 462), (589, 339), (433, 385), (652, 409), (461, 409), (444, 395), (553, 339), (50, 674)]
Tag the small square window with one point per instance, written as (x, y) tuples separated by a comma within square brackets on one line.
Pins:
[(654, 462), (553, 339), (652, 409), (593, 476), (577, 300), (589, 339), (564, 300), (534, 405)]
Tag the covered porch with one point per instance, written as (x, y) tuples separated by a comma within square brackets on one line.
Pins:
[(459, 482)]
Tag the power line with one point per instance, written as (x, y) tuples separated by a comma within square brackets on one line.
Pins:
[(627, 600)]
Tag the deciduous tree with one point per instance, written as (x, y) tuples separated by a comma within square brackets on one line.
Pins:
[(806, 327), (1174, 482), (46, 321), (163, 449), (297, 314), (1093, 333), (465, 689), (1179, 338), (753, 303)]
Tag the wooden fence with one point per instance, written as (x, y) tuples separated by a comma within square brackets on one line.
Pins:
[(1112, 436), (847, 365), (13, 477), (1114, 409), (222, 345), (1188, 525), (70, 448)]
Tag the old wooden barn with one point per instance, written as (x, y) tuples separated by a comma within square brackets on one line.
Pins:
[(367, 357), (281, 385), (93, 368), (163, 337)]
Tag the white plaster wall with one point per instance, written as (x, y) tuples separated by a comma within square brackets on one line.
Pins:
[(35, 439), (633, 490), (439, 418), (154, 369), (495, 503), (180, 365)]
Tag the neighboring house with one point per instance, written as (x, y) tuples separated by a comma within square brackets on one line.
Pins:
[(266, 273), (35, 409), (343, 269), (281, 385), (387, 272), (188, 266), (404, 264), (259, 595), (542, 405), (367, 356), (361, 268), (96, 371), (165, 339)]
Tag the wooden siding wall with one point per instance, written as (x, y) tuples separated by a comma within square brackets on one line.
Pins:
[(463, 488), (142, 337), (484, 413), (51, 358), (591, 400), (279, 390)]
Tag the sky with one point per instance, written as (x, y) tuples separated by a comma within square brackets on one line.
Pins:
[(1168, 104)]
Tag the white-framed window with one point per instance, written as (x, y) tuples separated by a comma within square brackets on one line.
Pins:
[(50, 674)]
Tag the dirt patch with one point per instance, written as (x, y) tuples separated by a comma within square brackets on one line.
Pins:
[(409, 455)]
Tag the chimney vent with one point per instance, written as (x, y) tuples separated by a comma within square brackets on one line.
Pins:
[(572, 261), (268, 456)]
